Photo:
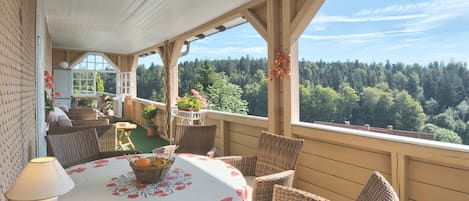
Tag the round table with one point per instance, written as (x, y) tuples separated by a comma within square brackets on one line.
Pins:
[(191, 177)]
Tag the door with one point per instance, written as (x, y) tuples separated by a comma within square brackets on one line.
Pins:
[(63, 84)]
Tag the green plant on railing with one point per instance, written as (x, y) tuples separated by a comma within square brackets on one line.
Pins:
[(148, 113)]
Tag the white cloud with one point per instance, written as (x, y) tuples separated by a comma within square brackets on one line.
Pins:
[(363, 37), (229, 50), (330, 19)]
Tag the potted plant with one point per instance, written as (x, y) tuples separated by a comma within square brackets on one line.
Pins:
[(192, 102), (148, 113), (107, 109), (49, 99)]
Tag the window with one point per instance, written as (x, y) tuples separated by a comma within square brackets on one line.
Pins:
[(125, 83), (91, 75)]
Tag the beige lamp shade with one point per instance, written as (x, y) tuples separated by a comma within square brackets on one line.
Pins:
[(42, 178)]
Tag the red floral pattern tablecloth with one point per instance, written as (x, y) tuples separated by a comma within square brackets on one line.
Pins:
[(192, 177)]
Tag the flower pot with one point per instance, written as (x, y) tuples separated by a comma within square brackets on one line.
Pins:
[(152, 131), (189, 109)]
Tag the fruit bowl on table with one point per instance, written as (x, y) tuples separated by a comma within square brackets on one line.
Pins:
[(150, 170)]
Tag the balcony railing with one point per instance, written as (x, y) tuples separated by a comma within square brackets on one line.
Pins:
[(336, 162)]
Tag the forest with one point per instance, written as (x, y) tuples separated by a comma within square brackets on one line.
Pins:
[(430, 98)]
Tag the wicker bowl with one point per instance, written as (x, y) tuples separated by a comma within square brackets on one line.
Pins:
[(153, 174)]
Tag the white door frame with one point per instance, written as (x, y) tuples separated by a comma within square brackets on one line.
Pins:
[(41, 126)]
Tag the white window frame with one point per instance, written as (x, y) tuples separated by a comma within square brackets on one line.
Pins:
[(124, 83), (76, 69)]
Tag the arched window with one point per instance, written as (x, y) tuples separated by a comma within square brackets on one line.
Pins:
[(91, 75)]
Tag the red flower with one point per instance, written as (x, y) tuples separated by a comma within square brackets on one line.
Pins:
[(159, 192), (180, 188), (123, 189), (132, 196), (234, 173), (141, 186), (49, 85), (111, 185)]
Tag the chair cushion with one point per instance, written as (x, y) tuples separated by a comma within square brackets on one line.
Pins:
[(64, 121)]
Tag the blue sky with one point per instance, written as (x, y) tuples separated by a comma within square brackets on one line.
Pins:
[(409, 31)]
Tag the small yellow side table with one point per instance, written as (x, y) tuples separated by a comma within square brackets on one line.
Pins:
[(124, 138)]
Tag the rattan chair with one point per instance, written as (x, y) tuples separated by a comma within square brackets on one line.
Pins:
[(284, 193), (196, 139), (79, 147), (275, 161), (377, 189), (82, 114), (106, 134)]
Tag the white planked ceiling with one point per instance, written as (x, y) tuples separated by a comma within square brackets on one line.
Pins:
[(126, 26)]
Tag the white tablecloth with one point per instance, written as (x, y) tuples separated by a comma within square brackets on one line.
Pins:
[(192, 177)]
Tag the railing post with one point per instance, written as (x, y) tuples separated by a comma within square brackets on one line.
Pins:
[(224, 137)]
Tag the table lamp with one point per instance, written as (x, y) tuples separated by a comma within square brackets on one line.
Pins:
[(42, 179)]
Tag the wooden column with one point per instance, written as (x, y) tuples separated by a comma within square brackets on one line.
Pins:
[(169, 53), (133, 76), (281, 25)]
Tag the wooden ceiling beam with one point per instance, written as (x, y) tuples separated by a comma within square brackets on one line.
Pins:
[(304, 16), (256, 22)]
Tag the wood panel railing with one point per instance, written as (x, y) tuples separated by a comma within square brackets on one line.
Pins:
[(336, 162)]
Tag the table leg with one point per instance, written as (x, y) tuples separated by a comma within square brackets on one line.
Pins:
[(124, 139)]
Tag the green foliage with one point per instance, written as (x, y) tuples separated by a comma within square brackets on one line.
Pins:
[(442, 134), (148, 113), (409, 114), (99, 83), (226, 96), (325, 103)]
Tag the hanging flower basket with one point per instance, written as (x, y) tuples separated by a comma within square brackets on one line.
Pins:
[(281, 66)]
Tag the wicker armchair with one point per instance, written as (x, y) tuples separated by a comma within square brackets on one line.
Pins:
[(106, 134), (377, 189), (196, 139), (284, 193), (78, 147), (82, 114), (275, 161)]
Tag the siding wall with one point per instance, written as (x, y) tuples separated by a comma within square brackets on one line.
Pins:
[(17, 88)]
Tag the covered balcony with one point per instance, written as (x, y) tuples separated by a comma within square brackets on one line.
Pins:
[(335, 162)]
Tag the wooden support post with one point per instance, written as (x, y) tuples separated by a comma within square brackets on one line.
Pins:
[(133, 76), (285, 21), (169, 54)]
